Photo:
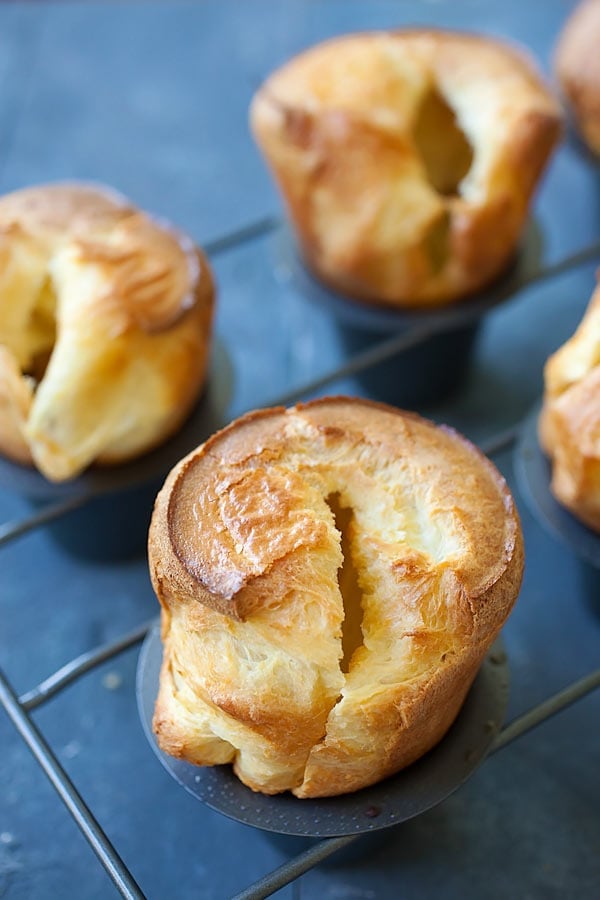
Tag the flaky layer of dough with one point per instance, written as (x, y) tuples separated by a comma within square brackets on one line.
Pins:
[(407, 160), (331, 577), (569, 426), (104, 328)]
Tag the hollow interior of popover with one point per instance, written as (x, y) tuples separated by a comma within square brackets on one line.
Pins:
[(442, 144), (42, 331), (350, 590)]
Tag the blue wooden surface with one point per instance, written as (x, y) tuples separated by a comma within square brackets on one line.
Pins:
[(153, 98)]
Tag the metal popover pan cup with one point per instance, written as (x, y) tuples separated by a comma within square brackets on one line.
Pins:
[(296, 824), (432, 370), (534, 475)]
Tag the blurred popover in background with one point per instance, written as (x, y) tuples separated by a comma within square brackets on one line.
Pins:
[(407, 159), (105, 325)]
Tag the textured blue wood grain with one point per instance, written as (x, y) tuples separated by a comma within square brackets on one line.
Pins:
[(153, 98)]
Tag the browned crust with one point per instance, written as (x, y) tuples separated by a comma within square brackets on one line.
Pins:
[(245, 496), (187, 569), (108, 230), (186, 367), (151, 312), (350, 173), (577, 64)]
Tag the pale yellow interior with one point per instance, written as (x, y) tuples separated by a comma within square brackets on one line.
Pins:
[(42, 331), (441, 143), (350, 590)]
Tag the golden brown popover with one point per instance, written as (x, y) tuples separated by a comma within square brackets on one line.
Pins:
[(331, 577), (407, 160), (569, 425), (105, 322)]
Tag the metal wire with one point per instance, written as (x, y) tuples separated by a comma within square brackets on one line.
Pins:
[(580, 257), (80, 665), (372, 356), (68, 793), (502, 441), (11, 530), (546, 710), (296, 867), (389, 347), (240, 236)]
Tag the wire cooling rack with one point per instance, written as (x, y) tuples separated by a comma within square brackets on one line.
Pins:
[(19, 708)]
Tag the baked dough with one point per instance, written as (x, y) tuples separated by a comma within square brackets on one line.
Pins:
[(569, 426), (578, 69), (407, 160), (104, 328), (331, 577)]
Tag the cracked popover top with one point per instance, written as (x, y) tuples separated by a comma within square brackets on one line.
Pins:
[(331, 577)]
